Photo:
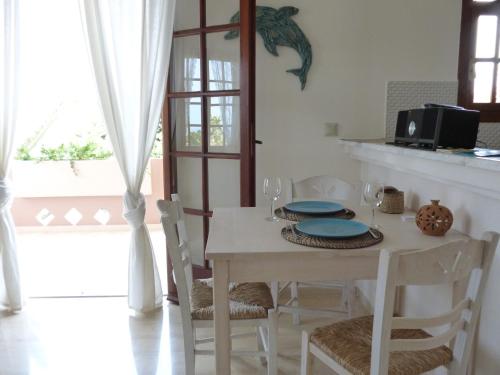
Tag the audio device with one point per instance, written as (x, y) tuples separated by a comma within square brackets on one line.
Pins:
[(437, 125)]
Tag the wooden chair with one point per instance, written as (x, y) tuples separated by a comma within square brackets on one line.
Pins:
[(251, 304), (387, 344), (324, 188)]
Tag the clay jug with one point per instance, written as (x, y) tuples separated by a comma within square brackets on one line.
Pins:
[(434, 219)]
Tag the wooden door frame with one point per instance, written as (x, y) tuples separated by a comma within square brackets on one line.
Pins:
[(246, 94), (247, 101)]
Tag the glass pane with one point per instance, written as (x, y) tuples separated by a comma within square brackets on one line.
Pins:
[(189, 185), (194, 229), (224, 124), (221, 12), (223, 62), (497, 99), (499, 48), (224, 183), (486, 36), (186, 68), (186, 124), (187, 14), (483, 82)]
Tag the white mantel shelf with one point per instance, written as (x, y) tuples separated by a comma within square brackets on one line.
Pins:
[(479, 175)]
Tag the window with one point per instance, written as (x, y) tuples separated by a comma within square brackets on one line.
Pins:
[(192, 82), (479, 62), (221, 116)]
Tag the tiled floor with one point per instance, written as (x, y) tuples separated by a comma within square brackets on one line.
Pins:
[(93, 336)]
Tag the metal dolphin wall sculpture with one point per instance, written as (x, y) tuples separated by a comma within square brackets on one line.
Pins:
[(278, 29)]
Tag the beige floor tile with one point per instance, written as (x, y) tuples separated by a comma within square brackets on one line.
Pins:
[(94, 336)]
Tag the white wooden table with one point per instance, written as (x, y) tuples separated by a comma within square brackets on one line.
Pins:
[(244, 247)]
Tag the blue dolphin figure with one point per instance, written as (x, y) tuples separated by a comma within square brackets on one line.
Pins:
[(276, 28)]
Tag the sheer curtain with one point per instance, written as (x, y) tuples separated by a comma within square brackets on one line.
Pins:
[(10, 287), (129, 43), (221, 78)]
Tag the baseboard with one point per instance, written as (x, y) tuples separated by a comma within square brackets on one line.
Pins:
[(320, 285), (363, 302)]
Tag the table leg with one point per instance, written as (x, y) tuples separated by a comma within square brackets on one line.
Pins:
[(350, 298), (399, 300), (221, 318)]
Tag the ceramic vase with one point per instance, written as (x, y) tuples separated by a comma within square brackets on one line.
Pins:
[(434, 219)]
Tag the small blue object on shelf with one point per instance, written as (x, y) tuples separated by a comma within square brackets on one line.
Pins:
[(486, 153), (332, 228), (314, 207), (480, 153)]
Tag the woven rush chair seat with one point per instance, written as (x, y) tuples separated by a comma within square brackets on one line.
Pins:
[(246, 300), (349, 344), (251, 303)]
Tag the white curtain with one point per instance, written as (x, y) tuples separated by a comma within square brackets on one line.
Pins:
[(10, 286), (222, 73), (129, 43)]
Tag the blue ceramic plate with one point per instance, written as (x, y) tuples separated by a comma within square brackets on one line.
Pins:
[(314, 207), (332, 228)]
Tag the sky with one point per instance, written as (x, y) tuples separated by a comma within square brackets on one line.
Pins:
[(57, 84)]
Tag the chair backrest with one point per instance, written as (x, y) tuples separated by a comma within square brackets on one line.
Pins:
[(183, 239), (172, 219), (454, 262), (322, 187)]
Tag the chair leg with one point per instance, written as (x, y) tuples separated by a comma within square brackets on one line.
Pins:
[(294, 287), (260, 344), (189, 356), (305, 356), (275, 293), (272, 343)]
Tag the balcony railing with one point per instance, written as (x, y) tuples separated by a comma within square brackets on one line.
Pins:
[(87, 192)]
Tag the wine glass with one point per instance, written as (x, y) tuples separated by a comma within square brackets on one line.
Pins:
[(373, 194), (272, 191)]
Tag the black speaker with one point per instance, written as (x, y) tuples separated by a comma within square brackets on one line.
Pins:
[(437, 126)]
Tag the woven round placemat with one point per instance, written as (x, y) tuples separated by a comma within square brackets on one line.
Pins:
[(358, 242), (294, 216)]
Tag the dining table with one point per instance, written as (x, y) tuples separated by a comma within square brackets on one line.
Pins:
[(245, 247)]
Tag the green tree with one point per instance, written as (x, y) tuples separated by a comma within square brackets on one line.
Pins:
[(53, 153), (195, 137), (216, 131)]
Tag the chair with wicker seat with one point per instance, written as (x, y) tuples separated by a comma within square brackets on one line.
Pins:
[(386, 344), (327, 188), (251, 304)]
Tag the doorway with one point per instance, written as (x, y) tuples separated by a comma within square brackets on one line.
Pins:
[(72, 238), (209, 116)]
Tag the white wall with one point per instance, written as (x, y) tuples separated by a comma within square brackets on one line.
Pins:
[(358, 45)]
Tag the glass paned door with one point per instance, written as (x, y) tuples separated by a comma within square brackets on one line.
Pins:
[(209, 116)]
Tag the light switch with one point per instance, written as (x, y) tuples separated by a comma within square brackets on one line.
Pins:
[(331, 129)]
